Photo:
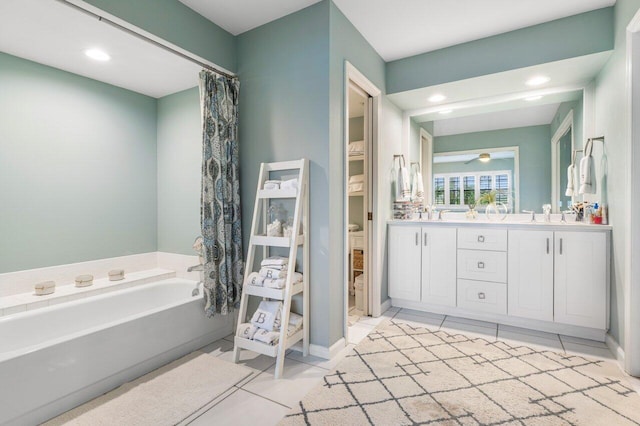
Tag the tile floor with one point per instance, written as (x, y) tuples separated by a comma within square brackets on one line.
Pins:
[(270, 399)]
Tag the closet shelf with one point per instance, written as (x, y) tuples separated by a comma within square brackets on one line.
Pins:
[(263, 240), (273, 293), (278, 193), (265, 349), (356, 157), (356, 194)]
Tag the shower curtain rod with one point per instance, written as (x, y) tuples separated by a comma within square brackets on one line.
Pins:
[(148, 39)]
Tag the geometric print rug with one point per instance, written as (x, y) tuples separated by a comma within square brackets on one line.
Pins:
[(406, 375)]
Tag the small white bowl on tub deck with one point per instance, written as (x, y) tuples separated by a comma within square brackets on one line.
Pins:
[(116, 275)]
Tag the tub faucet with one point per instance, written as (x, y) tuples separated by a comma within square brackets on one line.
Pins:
[(195, 268), (196, 291), (533, 214)]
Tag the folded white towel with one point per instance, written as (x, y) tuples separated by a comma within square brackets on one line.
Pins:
[(289, 184), (585, 176), (571, 180), (271, 184), (417, 187), (295, 320), (281, 282), (353, 227), (247, 330), (272, 273), (268, 316), (275, 261), (356, 148), (292, 329), (356, 187), (266, 336), (256, 279), (403, 190), (274, 229), (356, 178)]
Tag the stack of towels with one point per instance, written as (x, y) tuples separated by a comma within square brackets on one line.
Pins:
[(266, 322), (281, 184), (273, 273), (356, 183), (356, 148)]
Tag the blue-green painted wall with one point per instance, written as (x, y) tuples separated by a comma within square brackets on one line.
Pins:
[(535, 157), (611, 121), (174, 22), (577, 35), (77, 168), (179, 176), (578, 120)]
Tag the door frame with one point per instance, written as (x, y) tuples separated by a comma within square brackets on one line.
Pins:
[(426, 164), (565, 126), (352, 74)]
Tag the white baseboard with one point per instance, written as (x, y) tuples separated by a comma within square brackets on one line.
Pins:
[(327, 352), (615, 348), (385, 306)]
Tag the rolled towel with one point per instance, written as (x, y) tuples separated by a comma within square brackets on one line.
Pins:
[(272, 273), (289, 184), (84, 280), (274, 261), (44, 288), (254, 278), (281, 282), (274, 229), (266, 336), (268, 316), (247, 331), (295, 320)]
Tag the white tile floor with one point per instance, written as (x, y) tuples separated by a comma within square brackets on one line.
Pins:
[(270, 399)]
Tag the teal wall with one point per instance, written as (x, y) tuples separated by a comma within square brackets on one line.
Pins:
[(535, 157), (578, 120), (74, 153), (474, 166), (178, 24), (283, 68), (414, 142), (577, 35), (611, 121), (179, 176)]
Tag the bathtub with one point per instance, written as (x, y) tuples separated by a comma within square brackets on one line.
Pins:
[(55, 358)]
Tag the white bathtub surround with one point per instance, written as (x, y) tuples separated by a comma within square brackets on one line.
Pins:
[(61, 356), (65, 293), (179, 263), (167, 395)]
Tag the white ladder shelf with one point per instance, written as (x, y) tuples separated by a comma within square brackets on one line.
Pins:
[(301, 216)]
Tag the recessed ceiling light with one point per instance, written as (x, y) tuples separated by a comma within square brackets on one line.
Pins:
[(97, 54), (446, 111), (538, 80), (437, 98), (533, 98)]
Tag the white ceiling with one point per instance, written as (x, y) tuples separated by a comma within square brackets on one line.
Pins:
[(400, 29), (54, 34)]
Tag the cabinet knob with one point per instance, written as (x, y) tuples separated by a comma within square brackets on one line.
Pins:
[(481, 238), (481, 296), (480, 265)]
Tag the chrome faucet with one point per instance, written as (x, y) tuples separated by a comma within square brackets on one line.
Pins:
[(563, 218), (195, 268), (546, 209), (441, 213), (533, 214)]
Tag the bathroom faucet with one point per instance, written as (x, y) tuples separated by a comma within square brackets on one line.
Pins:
[(441, 213), (533, 214), (546, 209), (195, 268), (563, 219)]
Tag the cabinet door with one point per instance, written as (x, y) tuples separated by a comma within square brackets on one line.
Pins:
[(530, 276), (404, 262), (439, 266), (581, 279)]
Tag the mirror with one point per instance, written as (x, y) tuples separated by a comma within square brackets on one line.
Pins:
[(519, 148)]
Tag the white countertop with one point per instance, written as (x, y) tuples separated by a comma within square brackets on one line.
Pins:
[(511, 222)]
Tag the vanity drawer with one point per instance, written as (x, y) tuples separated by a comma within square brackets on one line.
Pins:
[(482, 296), (482, 239), (482, 265)]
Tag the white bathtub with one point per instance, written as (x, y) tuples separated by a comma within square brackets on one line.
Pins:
[(55, 358)]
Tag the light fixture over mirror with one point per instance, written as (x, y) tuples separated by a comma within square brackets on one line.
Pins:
[(484, 157)]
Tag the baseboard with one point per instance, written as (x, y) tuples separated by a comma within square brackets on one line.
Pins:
[(615, 348), (384, 307), (327, 352)]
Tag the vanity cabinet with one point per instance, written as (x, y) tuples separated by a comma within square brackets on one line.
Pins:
[(549, 277), (580, 274), (422, 264), (530, 278)]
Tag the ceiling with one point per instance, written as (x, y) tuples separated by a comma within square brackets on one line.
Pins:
[(54, 34), (417, 26)]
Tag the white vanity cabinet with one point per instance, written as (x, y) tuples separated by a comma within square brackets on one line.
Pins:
[(548, 277), (530, 278), (422, 264), (580, 273)]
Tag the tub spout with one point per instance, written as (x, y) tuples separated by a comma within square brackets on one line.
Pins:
[(195, 268)]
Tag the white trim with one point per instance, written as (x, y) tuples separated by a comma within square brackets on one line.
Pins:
[(566, 124), (427, 170), (327, 352), (386, 305), (632, 269), (615, 348), (352, 74)]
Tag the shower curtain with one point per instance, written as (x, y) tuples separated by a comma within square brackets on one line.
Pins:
[(220, 199)]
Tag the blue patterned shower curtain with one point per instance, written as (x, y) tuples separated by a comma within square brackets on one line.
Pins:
[(220, 201)]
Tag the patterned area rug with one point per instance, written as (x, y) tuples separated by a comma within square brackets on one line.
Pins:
[(403, 375)]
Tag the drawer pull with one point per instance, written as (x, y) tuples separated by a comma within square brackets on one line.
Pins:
[(481, 238), (547, 246), (560, 245), (481, 296), (417, 236), (480, 265), (425, 239)]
